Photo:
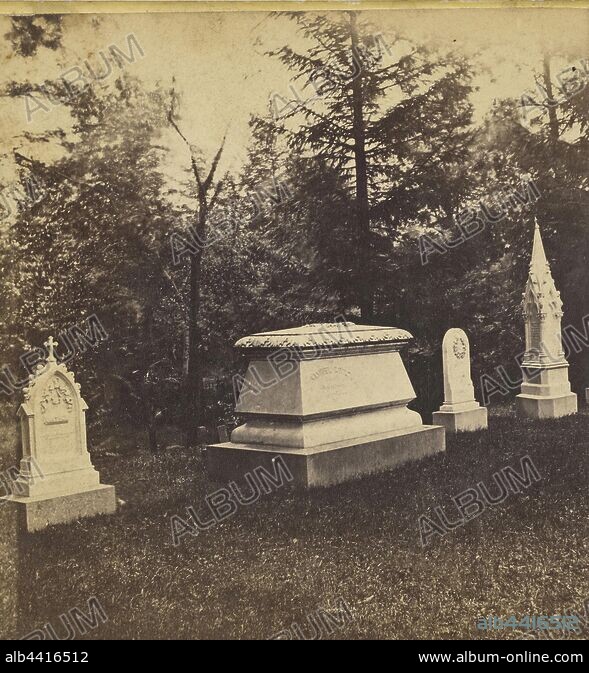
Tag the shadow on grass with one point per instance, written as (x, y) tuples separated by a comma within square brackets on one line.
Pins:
[(275, 562)]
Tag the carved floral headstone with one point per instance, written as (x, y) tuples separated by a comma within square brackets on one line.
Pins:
[(57, 482), (460, 411)]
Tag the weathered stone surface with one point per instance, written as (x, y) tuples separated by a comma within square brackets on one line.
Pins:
[(329, 464), (55, 461), (541, 408), (545, 391), (41, 512), (460, 411), (467, 420), (325, 400), (324, 388), (325, 336)]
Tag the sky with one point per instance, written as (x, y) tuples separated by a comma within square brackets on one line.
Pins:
[(219, 63)]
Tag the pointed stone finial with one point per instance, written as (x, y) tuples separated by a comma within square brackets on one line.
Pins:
[(539, 262), (50, 345), (540, 288)]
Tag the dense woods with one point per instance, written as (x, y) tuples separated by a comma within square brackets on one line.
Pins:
[(328, 217)]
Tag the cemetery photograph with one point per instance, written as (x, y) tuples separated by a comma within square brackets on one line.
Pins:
[(294, 327)]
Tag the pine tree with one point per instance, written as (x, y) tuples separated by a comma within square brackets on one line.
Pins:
[(388, 115)]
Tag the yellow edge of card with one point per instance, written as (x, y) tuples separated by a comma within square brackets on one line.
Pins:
[(143, 6)]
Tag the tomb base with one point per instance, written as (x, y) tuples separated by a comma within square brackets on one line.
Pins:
[(546, 392), (327, 464), (539, 408), (457, 419), (43, 511)]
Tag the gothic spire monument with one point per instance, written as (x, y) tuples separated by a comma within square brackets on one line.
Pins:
[(546, 391)]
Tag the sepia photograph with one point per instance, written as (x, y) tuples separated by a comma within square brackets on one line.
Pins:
[(294, 327)]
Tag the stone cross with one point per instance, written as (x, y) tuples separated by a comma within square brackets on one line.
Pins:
[(50, 345)]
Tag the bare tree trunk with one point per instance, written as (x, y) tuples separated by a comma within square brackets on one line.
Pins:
[(363, 275), (185, 351), (195, 374), (552, 117), (194, 377), (144, 387)]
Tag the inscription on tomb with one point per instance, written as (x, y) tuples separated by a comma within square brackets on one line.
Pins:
[(535, 335), (330, 377)]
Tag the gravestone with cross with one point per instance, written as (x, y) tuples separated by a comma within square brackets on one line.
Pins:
[(57, 482), (460, 411)]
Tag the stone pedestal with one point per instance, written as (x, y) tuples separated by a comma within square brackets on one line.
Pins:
[(39, 512), (460, 411), (455, 418), (57, 482), (546, 392), (328, 464), (331, 400)]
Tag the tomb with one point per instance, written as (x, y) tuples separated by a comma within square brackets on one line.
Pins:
[(330, 400)]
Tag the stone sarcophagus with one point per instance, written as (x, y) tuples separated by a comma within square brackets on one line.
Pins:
[(330, 400), (57, 482)]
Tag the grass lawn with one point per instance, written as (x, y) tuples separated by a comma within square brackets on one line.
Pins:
[(275, 562)]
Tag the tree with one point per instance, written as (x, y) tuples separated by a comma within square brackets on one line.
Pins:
[(387, 128), (552, 142), (28, 33), (207, 194), (96, 242)]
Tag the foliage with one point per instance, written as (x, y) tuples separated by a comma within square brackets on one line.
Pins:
[(283, 234)]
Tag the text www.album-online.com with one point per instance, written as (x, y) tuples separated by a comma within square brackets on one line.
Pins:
[(490, 658)]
